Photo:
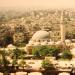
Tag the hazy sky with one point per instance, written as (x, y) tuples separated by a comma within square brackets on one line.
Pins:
[(38, 3)]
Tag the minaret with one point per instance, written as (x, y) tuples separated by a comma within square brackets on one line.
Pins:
[(62, 31)]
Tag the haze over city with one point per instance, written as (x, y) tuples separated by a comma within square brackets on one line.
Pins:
[(37, 3)]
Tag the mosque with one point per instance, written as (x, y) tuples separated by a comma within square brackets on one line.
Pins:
[(41, 37)]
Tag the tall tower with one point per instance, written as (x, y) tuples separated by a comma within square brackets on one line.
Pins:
[(62, 31)]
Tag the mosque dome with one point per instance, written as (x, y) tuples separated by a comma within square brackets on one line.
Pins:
[(40, 35)]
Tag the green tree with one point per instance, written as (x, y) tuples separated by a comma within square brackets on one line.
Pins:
[(66, 54), (40, 51), (18, 54), (45, 51), (4, 31), (4, 61)]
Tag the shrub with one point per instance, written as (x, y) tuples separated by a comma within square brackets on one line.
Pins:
[(66, 54), (14, 62), (40, 51), (22, 63), (36, 53), (54, 51), (47, 64), (45, 51)]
